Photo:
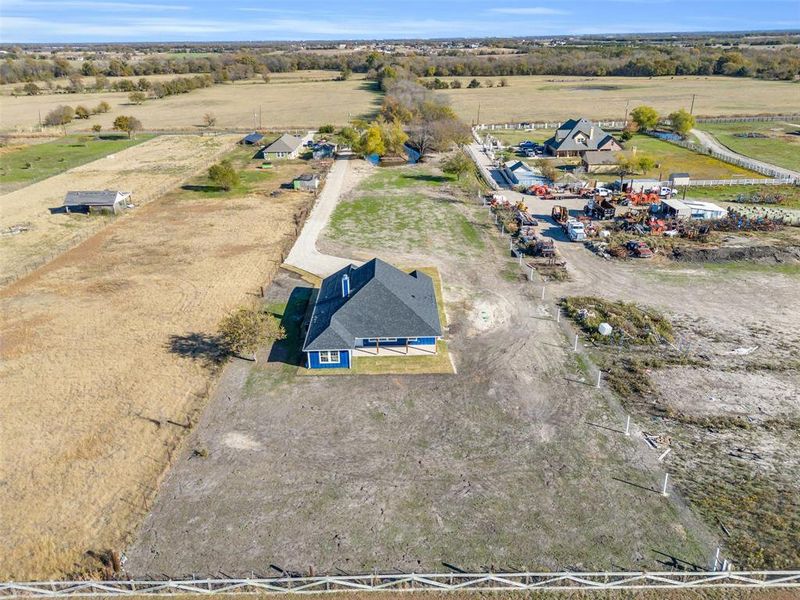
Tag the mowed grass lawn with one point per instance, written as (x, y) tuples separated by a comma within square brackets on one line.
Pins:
[(405, 209), (40, 161), (512, 137), (781, 147), (674, 159)]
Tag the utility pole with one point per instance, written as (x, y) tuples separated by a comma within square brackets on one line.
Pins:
[(259, 116), (625, 121), (691, 110), (478, 122)]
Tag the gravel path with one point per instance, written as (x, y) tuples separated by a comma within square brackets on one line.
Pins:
[(304, 254), (709, 141)]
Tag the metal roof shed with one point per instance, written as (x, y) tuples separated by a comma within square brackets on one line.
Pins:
[(675, 208), (112, 200)]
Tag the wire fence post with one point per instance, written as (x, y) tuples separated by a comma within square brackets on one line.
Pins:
[(664, 488), (575, 347), (628, 425)]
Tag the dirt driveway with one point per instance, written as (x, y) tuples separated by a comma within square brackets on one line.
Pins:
[(515, 462)]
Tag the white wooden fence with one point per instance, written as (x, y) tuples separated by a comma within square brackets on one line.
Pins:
[(711, 182), (410, 582)]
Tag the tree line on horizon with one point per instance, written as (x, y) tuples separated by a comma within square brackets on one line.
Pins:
[(622, 60)]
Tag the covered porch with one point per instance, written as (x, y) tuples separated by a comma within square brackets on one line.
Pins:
[(409, 350)]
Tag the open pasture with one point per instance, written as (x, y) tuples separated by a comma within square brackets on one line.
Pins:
[(108, 353), (775, 142), (287, 102), (551, 98), (147, 170)]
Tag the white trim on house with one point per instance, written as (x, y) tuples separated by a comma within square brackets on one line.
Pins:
[(326, 357)]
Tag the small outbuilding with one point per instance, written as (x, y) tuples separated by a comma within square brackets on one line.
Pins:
[(672, 207), (599, 161), (286, 146), (679, 179), (323, 150), (307, 181), (705, 210), (251, 139), (88, 201), (521, 174)]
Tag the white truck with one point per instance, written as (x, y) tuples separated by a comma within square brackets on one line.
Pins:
[(575, 230)]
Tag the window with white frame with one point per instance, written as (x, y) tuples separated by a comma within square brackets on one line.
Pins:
[(328, 357)]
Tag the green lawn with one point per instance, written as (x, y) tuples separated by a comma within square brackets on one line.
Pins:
[(403, 208), (729, 193), (512, 137), (780, 147), (40, 161), (674, 159)]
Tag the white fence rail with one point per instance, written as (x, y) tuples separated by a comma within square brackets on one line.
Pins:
[(620, 124), (728, 158), (542, 125), (409, 582), (710, 182)]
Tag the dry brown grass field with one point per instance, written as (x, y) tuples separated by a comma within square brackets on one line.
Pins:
[(104, 364), (311, 98), (148, 170), (295, 101), (7, 89), (538, 98)]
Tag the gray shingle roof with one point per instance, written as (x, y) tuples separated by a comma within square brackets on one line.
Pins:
[(285, 143), (94, 198), (599, 157), (383, 302), (564, 139)]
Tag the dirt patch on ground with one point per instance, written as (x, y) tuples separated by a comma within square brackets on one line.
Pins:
[(766, 253), (512, 463), (147, 170), (106, 355), (756, 396)]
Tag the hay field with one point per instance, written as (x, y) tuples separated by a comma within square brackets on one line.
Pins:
[(148, 170), (104, 365), (289, 77), (539, 98), (289, 102)]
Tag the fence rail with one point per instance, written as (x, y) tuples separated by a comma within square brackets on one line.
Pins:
[(728, 158), (620, 124), (710, 182), (409, 582)]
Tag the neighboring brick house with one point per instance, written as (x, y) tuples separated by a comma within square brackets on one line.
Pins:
[(576, 136)]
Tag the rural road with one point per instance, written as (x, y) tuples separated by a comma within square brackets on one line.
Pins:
[(304, 254), (709, 141)]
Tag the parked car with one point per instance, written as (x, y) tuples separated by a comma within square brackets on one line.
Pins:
[(639, 249)]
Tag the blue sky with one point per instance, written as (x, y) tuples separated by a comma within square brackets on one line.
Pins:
[(234, 20)]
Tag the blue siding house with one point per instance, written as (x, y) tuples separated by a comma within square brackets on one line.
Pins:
[(372, 310)]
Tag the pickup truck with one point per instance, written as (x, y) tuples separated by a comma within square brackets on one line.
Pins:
[(639, 249)]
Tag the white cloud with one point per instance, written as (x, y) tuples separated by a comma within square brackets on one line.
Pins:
[(93, 5), (530, 10)]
